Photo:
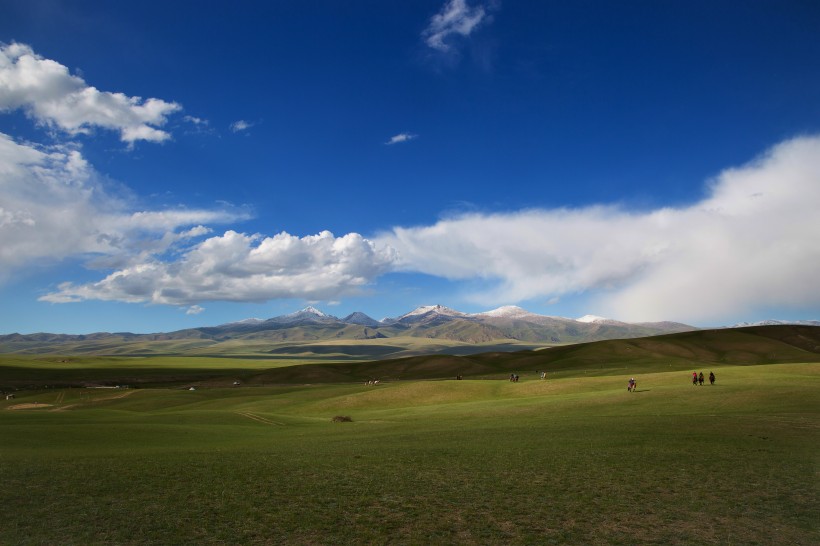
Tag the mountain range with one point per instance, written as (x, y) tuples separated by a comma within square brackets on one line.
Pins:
[(432, 322), (510, 327)]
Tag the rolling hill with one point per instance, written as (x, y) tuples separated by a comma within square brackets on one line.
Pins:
[(685, 351), (697, 349)]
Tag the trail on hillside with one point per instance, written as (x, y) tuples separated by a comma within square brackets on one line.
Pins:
[(258, 418), (29, 405), (117, 396)]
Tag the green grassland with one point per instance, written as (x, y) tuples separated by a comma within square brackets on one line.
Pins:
[(425, 460), (477, 461)]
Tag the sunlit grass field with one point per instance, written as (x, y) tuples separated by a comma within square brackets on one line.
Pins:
[(573, 459)]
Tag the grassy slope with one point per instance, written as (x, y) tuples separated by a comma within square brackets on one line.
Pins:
[(774, 344), (635, 356), (572, 459), (261, 347)]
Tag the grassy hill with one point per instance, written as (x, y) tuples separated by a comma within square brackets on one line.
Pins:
[(332, 362), (741, 346)]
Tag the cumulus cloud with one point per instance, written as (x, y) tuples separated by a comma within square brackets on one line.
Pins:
[(248, 268), (53, 206), (752, 243), (401, 137), (48, 93), (456, 19)]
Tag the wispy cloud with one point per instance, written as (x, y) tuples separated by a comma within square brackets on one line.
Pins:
[(401, 137), (48, 93), (196, 121), (194, 310), (753, 242), (244, 268), (241, 125), (456, 19)]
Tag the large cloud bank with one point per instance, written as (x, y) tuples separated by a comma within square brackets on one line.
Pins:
[(53, 206), (752, 243), (239, 267), (48, 93)]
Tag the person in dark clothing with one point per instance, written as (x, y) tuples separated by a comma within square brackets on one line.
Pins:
[(711, 378)]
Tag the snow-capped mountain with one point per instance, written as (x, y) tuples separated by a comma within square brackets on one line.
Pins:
[(510, 323), (309, 310), (594, 319), (507, 322), (507, 311), (436, 309), (504, 324), (308, 314), (427, 314), (591, 318), (777, 322)]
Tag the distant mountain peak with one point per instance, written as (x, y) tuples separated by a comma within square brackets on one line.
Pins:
[(437, 309), (772, 322), (247, 321), (593, 318), (361, 319), (307, 315), (309, 310), (506, 311)]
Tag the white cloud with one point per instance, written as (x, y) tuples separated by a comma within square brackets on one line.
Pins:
[(197, 125), (248, 268), (48, 93), (456, 18), (753, 243), (401, 137), (194, 310), (195, 120), (241, 125), (53, 206)]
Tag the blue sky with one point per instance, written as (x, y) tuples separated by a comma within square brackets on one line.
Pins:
[(173, 164)]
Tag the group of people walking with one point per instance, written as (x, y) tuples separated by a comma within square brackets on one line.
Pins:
[(697, 379)]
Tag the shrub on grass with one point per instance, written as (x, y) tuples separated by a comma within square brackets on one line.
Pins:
[(342, 419)]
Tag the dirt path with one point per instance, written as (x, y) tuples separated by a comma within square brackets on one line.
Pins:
[(29, 405), (122, 394), (117, 396), (258, 419)]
